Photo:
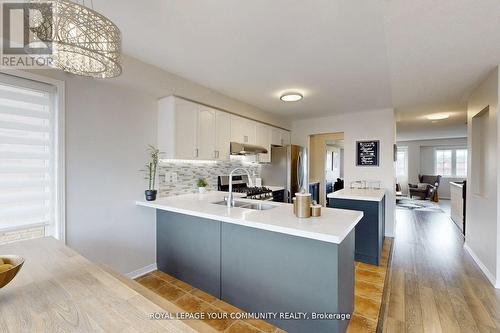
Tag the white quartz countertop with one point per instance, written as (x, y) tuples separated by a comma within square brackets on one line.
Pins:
[(332, 226), (358, 194)]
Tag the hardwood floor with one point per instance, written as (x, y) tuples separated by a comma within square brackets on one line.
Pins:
[(433, 284), (194, 300), (368, 292)]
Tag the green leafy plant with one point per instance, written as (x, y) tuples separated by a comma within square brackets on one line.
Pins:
[(201, 182), (152, 166)]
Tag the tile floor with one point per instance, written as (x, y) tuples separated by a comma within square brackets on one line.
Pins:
[(369, 286)]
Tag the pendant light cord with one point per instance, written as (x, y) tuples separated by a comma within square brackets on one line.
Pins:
[(82, 2)]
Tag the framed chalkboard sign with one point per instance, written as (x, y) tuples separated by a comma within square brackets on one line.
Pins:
[(367, 153)]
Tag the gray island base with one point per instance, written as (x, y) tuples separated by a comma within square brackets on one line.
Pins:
[(260, 271), (370, 230)]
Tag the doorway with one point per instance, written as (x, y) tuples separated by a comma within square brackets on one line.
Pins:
[(326, 164)]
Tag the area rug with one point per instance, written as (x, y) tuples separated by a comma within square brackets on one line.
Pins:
[(418, 204)]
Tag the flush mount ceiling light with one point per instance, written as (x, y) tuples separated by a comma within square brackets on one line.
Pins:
[(438, 116), (291, 97), (84, 42)]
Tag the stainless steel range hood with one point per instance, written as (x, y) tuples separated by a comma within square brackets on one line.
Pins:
[(246, 149)]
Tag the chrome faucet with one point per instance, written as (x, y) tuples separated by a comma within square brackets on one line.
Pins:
[(230, 198)]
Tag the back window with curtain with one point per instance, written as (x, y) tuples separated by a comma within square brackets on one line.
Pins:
[(27, 154)]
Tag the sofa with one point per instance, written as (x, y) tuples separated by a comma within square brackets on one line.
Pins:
[(426, 188)]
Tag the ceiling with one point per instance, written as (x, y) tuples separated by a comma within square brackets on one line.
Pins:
[(417, 56), (413, 124)]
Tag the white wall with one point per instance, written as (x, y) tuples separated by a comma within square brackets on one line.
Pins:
[(158, 83), (482, 231), (421, 160), (109, 124), (367, 125)]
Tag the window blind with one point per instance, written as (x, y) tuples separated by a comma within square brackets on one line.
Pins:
[(27, 153)]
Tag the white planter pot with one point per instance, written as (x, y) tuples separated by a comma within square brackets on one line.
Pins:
[(202, 189)]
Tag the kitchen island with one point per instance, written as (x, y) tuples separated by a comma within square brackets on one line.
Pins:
[(370, 230), (264, 261)]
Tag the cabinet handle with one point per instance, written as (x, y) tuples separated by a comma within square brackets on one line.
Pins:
[(217, 154), (196, 152)]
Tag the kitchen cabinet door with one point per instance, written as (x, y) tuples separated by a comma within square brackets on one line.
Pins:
[(206, 133), (263, 139), (237, 129), (222, 135), (243, 130), (276, 136), (285, 137), (186, 128), (280, 137), (251, 132)]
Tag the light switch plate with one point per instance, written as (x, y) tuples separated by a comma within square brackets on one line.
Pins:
[(167, 177), (173, 177)]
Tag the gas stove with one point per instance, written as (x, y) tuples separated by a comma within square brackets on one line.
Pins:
[(241, 185), (254, 192)]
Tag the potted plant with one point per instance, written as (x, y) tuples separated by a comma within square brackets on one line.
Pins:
[(202, 185), (151, 169)]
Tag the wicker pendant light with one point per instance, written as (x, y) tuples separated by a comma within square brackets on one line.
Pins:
[(84, 42)]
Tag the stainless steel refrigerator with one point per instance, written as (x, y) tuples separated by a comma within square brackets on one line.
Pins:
[(288, 169)]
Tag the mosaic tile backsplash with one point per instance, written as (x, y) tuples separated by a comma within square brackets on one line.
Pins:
[(188, 173)]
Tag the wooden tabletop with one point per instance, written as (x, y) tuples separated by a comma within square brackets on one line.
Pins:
[(58, 290)]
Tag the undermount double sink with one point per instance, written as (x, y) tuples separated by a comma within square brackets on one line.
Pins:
[(247, 205)]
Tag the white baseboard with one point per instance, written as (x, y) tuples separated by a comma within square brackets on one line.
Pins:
[(142, 271), (489, 275)]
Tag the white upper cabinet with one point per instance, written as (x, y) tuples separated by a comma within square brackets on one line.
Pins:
[(177, 128), (280, 137), (285, 137), (186, 123), (206, 137), (263, 139), (188, 130), (251, 132), (237, 129), (276, 137), (243, 130), (222, 135)]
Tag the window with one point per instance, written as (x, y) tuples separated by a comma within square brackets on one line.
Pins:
[(402, 161), (461, 162), (332, 161), (336, 163), (30, 167), (329, 160), (451, 162), (443, 162)]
